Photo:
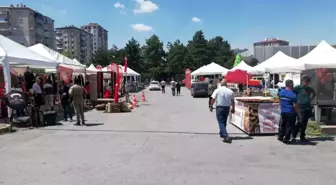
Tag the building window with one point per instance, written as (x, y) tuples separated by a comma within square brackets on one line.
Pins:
[(20, 21)]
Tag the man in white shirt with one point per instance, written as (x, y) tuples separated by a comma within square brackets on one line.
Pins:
[(223, 98), (173, 86)]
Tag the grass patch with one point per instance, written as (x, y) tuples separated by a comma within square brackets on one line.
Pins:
[(313, 129)]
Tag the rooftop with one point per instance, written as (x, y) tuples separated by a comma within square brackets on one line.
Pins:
[(71, 27), (271, 40), (23, 6)]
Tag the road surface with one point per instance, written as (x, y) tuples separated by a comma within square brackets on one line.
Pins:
[(168, 140)]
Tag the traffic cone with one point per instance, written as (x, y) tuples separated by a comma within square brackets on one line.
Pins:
[(143, 97), (134, 103)]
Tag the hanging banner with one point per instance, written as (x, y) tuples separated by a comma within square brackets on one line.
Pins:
[(187, 78), (115, 68), (65, 74)]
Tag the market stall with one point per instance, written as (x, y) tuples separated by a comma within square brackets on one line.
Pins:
[(256, 115)]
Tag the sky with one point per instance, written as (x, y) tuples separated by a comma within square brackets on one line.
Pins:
[(241, 22)]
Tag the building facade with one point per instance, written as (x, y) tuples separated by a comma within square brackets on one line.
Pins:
[(75, 42), (100, 36), (26, 26)]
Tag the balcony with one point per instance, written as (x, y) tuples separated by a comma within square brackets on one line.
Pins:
[(5, 31)]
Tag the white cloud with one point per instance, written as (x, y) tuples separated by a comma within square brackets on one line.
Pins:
[(119, 5), (141, 27), (145, 6), (196, 19)]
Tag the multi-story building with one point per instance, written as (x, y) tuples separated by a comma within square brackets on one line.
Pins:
[(100, 36), (74, 41), (26, 26)]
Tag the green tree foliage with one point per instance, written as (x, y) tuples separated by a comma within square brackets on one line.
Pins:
[(254, 62), (153, 62), (67, 54)]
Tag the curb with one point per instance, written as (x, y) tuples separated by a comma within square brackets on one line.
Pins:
[(4, 128)]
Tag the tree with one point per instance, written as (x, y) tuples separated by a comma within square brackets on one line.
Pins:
[(254, 62), (117, 55), (67, 54), (219, 51), (197, 51), (154, 62), (133, 53), (102, 57), (175, 59)]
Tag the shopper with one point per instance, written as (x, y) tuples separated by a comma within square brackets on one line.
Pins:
[(48, 91), (173, 86), (163, 86), (289, 110), (305, 94), (65, 101), (223, 98), (178, 88), (77, 93)]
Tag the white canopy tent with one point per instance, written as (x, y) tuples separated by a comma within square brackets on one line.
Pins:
[(323, 56), (92, 69), (12, 53), (196, 71), (242, 66), (277, 60), (212, 69), (129, 72), (59, 58)]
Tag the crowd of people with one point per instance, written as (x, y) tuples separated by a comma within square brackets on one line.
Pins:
[(295, 103), (45, 90)]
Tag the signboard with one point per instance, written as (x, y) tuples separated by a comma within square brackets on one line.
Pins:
[(269, 117), (238, 117)]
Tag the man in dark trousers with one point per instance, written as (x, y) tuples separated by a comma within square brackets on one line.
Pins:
[(178, 88), (289, 110), (304, 94)]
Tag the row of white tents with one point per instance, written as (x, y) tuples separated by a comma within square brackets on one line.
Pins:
[(322, 56), (42, 57)]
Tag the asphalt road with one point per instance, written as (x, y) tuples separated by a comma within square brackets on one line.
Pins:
[(167, 140)]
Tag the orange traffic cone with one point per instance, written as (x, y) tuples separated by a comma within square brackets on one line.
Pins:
[(143, 97), (134, 103)]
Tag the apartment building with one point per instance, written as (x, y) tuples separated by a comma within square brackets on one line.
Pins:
[(100, 36), (74, 41), (26, 26)]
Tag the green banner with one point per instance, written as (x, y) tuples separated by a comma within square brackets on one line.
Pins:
[(237, 60)]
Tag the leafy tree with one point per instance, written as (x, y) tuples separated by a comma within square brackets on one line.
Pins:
[(133, 53), (175, 58), (219, 51), (117, 55), (67, 54), (254, 62), (154, 62), (197, 50), (102, 57)]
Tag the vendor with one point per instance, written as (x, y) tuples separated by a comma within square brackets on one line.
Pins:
[(108, 91), (248, 92)]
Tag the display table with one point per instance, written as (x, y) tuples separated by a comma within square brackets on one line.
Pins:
[(256, 115)]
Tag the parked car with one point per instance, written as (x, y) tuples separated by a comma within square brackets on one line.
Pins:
[(154, 86), (200, 89)]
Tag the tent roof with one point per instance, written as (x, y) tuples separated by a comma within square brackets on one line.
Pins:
[(242, 66), (130, 72), (18, 54), (92, 69), (322, 56), (54, 55), (212, 69), (278, 60), (196, 71)]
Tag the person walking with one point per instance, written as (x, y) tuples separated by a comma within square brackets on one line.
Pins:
[(178, 88), (289, 110), (305, 94), (212, 88), (163, 86), (173, 86), (77, 93), (223, 98), (65, 101)]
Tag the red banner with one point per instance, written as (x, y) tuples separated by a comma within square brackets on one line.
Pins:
[(125, 65), (115, 68), (65, 74), (187, 78)]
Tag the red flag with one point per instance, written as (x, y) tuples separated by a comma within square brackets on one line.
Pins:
[(125, 65)]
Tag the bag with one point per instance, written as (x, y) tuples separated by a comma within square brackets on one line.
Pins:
[(16, 100)]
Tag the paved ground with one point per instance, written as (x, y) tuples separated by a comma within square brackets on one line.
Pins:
[(168, 140)]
